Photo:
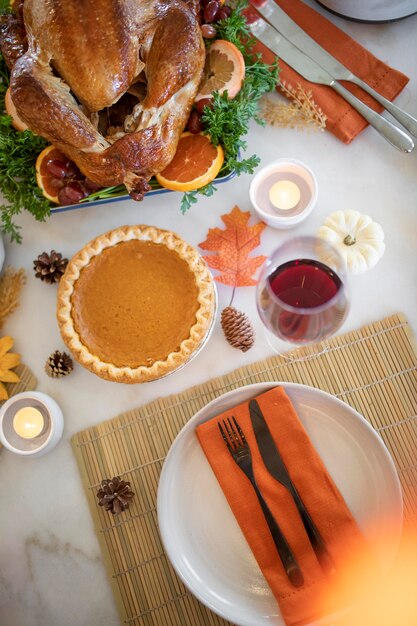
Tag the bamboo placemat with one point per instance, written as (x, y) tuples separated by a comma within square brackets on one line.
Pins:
[(373, 369)]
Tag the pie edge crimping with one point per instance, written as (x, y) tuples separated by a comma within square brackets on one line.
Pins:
[(198, 332)]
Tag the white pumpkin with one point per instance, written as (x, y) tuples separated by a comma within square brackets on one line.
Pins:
[(356, 237)]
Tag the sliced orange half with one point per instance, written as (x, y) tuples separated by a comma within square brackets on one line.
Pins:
[(18, 123), (49, 184), (196, 163), (224, 70)]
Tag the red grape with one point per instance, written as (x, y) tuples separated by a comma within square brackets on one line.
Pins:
[(71, 194), (222, 14), (211, 10), (72, 169), (56, 167), (56, 183), (204, 102), (195, 124), (227, 10), (208, 31)]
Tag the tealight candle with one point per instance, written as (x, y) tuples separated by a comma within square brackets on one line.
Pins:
[(28, 422), (284, 195), (31, 423)]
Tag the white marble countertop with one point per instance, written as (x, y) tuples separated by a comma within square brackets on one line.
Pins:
[(51, 571)]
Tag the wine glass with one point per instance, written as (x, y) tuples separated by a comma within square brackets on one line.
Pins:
[(302, 292)]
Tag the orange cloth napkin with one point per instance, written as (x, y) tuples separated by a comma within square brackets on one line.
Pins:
[(342, 120), (318, 491)]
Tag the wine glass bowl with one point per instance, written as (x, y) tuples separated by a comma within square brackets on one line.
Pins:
[(302, 292)]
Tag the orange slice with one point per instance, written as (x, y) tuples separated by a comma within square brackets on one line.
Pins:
[(196, 163), (48, 183), (224, 70), (11, 110)]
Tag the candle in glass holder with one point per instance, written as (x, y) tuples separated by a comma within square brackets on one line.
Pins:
[(31, 423), (28, 422), (284, 195)]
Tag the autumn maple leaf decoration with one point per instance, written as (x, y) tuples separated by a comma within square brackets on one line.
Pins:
[(233, 246)]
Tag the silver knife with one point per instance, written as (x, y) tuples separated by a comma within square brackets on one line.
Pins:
[(276, 467), (296, 35), (313, 72)]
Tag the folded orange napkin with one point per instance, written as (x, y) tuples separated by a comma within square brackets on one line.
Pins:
[(318, 491), (342, 120)]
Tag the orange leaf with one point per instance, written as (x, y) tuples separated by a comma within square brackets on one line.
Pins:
[(233, 246)]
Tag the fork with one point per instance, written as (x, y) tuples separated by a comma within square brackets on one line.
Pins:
[(238, 447)]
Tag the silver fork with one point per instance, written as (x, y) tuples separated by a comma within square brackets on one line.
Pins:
[(238, 447)]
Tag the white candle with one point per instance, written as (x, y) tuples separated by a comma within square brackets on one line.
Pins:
[(28, 422), (284, 195)]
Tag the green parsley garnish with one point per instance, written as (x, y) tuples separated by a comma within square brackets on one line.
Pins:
[(227, 122), (18, 154)]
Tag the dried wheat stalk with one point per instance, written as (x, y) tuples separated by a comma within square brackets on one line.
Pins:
[(11, 283), (301, 113)]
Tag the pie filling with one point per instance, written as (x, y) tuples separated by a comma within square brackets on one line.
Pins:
[(135, 303)]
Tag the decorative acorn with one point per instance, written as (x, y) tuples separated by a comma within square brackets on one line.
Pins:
[(237, 328), (59, 364), (115, 495), (50, 267)]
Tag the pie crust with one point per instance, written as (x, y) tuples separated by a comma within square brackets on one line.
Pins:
[(81, 292)]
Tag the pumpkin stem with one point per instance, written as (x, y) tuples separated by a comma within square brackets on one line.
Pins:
[(349, 240)]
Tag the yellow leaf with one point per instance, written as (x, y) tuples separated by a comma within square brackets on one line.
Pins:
[(9, 377), (5, 345), (3, 392), (9, 360)]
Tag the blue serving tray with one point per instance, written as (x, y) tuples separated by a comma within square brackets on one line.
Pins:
[(152, 192)]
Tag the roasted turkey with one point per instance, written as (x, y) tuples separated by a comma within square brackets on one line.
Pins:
[(108, 82)]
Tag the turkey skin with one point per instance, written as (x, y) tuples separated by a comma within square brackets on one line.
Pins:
[(110, 83)]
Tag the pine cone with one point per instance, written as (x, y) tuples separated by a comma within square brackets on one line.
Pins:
[(237, 328), (59, 364), (50, 267), (115, 495)]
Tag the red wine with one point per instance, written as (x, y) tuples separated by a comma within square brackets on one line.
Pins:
[(308, 286), (304, 283)]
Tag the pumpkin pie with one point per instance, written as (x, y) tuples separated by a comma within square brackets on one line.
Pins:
[(135, 304)]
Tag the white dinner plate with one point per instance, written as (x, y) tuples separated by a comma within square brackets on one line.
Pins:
[(201, 536)]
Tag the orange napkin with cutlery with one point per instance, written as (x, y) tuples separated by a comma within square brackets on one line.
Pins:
[(342, 120), (323, 500)]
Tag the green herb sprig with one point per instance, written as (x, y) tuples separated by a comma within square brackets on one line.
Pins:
[(18, 154), (227, 120), (236, 29)]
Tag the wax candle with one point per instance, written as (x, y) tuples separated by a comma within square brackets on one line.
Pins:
[(284, 195), (28, 422)]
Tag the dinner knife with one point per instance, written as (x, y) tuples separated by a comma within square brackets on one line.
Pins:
[(276, 467), (313, 72), (296, 35)]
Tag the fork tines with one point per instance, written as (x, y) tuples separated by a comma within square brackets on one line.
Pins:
[(232, 434), (238, 447)]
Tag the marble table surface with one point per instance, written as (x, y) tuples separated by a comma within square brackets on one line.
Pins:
[(51, 572)]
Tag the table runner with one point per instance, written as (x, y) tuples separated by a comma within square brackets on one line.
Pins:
[(373, 369)]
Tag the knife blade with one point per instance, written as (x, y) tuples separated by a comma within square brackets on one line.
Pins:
[(313, 72), (275, 465), (285, 25)]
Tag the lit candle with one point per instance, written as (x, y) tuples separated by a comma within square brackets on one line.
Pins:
[(28, 422), (284, 195)]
